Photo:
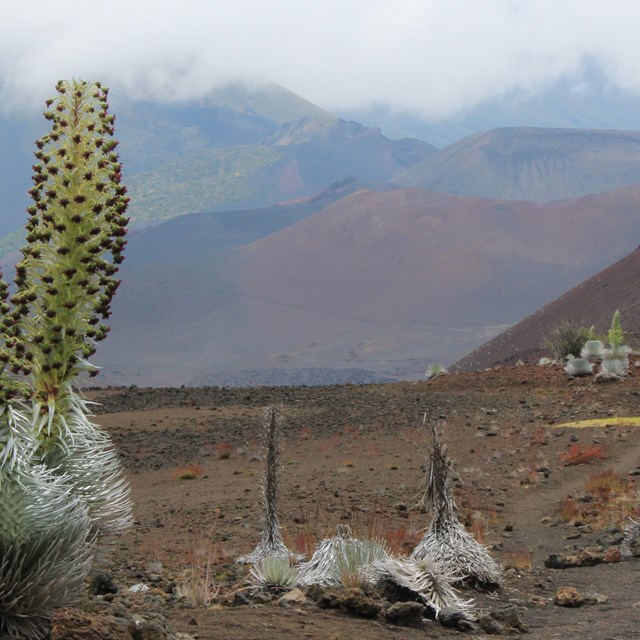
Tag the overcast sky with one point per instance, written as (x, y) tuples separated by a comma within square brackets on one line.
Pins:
[(436, 57)]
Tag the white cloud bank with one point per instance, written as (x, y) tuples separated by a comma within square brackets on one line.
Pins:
[(436, 57)]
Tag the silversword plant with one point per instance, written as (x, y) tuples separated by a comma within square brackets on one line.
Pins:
[(62, 488)]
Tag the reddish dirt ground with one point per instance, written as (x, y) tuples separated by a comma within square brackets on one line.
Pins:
[(356, 454)]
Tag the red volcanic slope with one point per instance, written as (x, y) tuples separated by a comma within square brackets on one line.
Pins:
[(410, 255), (591, 303), (382, 281)]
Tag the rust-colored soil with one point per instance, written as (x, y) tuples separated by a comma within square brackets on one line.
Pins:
[(356, 454)]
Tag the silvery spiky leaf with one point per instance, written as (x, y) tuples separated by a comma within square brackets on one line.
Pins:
[(45, 549), (85, 455), (320, 568), (618, 352), (354, 558), (424, 579), (271, 543), (273, 573), (632, 533), (446, 540), (459, 554), (613, 369), (592, 349), (46, 544), (342, 560), (576, 367)]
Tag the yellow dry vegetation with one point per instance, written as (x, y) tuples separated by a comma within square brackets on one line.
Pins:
[(633, 421)]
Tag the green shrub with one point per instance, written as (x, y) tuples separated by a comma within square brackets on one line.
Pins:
[(566, 339)]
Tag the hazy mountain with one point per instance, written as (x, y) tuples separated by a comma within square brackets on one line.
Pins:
[(298, 160), (232, 150), (386, 282), (531, 164), (591, 303), (584, 102), (154, 134), (191, 236)]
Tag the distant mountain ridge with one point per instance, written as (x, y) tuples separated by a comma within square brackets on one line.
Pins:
[(287, 166), (531, 164), (225, 152)]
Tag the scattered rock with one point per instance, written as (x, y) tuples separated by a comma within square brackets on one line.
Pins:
[(568, 597), (324, 598), (468, 626), (536, 602), (102, 584), (148, 628), (595, 598), (509, 615), (634, 547), (584, 558), (241, 598), (406, 614), (355, 601), (612, 556), (450, 616), (262, 597), (71, 624), (490, 625), (293, 597)]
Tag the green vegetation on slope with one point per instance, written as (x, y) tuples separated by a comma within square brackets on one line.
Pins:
[(203, 181)]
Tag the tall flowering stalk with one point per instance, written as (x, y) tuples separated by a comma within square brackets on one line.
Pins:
[(46, 543), (446, 541), (271, 544), (65, 283), (75, 238)]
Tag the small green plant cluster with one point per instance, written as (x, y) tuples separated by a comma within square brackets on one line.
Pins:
[(63, 494), (583, 349), (434, 370), (566, 339)]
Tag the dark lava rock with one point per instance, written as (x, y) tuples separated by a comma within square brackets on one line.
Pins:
[(102, 584), (583, 558), (489, 625), (72, 624), (450, 616), (510, 616), (406, 614), (356, 602), (148, 627)]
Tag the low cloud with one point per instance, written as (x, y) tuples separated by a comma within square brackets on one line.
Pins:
[(437, 58)]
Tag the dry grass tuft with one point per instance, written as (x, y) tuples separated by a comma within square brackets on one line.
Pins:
[(188, 472), (224, 449), (197, 586), (609, 500), (578, 454), (520, 560)]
